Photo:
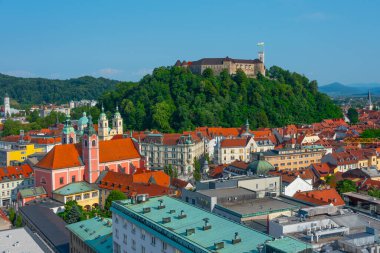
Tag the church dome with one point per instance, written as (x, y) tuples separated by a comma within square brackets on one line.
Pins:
[(260, 166), (83, 120)]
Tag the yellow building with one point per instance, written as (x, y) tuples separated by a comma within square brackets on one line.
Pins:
[(14, 153), (85, 195), (293, 158)]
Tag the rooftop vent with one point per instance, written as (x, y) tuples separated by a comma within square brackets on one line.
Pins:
[(190, 231), (182, 215), (166, 220), (146, 210), (161, 206), (172, 211), (236, 239), (207, 225), (219, 245)]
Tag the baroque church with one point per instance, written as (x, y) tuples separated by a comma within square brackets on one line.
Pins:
[(85, 153)]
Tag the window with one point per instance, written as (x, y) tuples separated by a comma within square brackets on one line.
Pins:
[(142, 234), (71, 140), (93, 143), (86, 196), (153, 240), (125, 239), (133, 228), (85, 143), (116, 247), (72, 179), (61, 180), (94, 194), (142, 249), (117, 233), (78, 197), (164, 246), (133, 244)]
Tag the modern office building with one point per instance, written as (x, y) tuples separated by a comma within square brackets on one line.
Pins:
[(169, 225)]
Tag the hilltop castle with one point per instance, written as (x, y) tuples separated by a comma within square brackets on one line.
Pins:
[(250, 67)]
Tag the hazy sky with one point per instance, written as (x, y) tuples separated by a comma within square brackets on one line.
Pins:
[(325, 40)]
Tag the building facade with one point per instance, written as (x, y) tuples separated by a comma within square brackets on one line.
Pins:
[(250, 67), (293, 158), (175, 150)]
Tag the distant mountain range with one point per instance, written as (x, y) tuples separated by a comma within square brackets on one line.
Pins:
[(337, 89)]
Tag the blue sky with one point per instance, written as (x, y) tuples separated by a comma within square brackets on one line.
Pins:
[(124, 40)]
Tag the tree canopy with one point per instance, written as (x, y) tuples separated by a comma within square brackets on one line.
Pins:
[(29, 91), (346, 186), (353, 115), (114, 195), (174, 99)]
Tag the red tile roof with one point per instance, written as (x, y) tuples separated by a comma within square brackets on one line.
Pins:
[(230, 143), (70, 155), (13, 172), (154, 183), (321, 197)]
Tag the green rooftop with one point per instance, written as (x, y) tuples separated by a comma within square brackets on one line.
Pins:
[(95, 232), (74, 188), (32, 192), (190, 230), (288, 245)]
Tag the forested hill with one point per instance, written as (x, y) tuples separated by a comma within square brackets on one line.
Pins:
[(174, 99), (28, 91)]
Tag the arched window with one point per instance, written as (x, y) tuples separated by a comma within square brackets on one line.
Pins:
[(71, 140), (119, 123), (93, 143), (85, 143), (64, 139)]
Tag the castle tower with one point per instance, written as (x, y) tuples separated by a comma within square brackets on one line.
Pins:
[(103, 130), (68, 132), (90, 153), (261, 51), (370, 105), (117, 122), (7, 106)]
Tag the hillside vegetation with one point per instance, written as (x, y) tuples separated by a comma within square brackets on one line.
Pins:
[(29, 91), (174, 99)]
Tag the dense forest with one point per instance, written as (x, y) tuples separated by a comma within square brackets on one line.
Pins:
[(29, 91), (174, 99)]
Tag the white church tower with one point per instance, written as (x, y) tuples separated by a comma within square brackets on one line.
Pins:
[(103, 128), (117, 122), (7, 106)]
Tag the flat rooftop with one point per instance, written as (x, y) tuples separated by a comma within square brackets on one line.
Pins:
[(363, 197), (258, 206), (222, 230), (95, 232), (226, 192), (18, 240)]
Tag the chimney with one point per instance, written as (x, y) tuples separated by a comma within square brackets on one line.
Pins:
[(207, 226), (236, 239)]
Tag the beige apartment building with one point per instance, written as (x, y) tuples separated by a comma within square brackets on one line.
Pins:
[(293, 158), (177, 150)]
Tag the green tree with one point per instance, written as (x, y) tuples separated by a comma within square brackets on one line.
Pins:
[(346, 186), (371, 133), (208, 73), (113, 196), (12, 215), (353, 115), (19, 221), (74, 215), (374, 192), (197, 170)]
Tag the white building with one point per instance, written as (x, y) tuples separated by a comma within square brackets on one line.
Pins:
[(299, 184)]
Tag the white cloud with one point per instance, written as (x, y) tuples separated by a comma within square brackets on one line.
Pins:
[(108, 72), (142, 72), (19, 73)]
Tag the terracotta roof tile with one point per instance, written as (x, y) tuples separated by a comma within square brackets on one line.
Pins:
[(321, 197), (230, 143), (69, 155), (13, 172)]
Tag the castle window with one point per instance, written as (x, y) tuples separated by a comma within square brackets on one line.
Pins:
[(93, 143)]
